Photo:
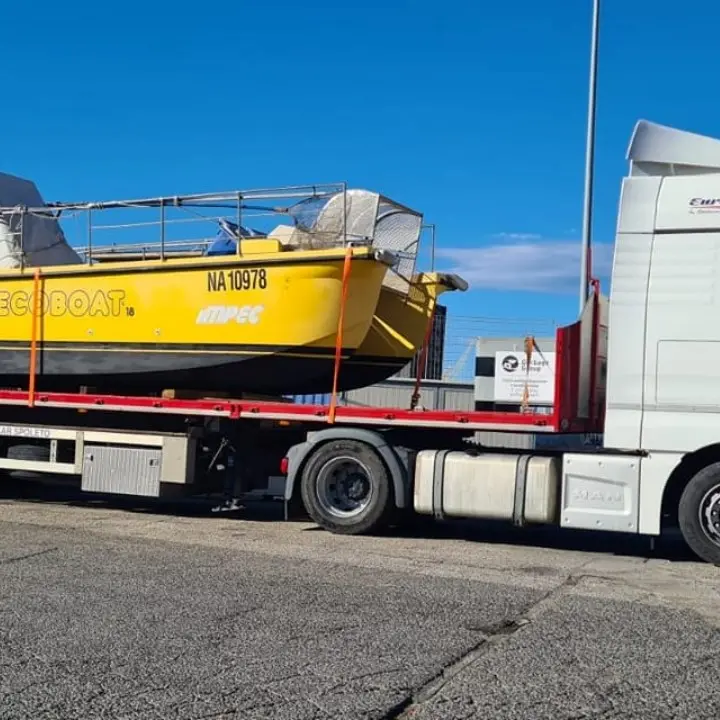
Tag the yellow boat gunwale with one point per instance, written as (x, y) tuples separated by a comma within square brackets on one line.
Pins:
[(282, 257)]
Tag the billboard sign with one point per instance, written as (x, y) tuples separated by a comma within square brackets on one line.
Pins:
[(512, 376)]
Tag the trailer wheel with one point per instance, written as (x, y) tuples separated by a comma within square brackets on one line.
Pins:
[(699, 514), (345, 488)]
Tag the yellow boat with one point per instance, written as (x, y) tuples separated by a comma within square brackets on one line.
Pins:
[(250, 311)]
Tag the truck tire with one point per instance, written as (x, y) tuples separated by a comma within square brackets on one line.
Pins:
[(345, 488), (699, 514)]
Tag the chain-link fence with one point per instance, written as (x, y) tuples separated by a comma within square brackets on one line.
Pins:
[(451, 352)]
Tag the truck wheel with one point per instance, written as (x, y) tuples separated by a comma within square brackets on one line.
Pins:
[(346, 488), (699, 514)]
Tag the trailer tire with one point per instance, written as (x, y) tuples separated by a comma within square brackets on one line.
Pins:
[(346, 488), (699, 514)]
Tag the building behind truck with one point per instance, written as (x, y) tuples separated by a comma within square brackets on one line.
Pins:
[(641, 371)]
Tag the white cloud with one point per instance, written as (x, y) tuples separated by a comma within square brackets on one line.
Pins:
[(526, 262), (517, 236)]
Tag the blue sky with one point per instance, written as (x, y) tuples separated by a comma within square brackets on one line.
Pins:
[(472, 112)]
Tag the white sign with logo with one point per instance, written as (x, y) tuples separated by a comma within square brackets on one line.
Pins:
[(512, 377)]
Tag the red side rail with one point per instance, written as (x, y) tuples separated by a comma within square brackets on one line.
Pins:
[(285, 411)]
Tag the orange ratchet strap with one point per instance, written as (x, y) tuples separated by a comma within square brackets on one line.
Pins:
[(34, 337), (339, 335)]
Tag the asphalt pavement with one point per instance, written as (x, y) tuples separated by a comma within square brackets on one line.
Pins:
[(129, 612)]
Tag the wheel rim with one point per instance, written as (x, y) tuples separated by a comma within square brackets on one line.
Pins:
[(709, 515), (344, 487)]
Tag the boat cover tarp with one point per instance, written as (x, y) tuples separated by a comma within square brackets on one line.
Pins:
[(43, 241)]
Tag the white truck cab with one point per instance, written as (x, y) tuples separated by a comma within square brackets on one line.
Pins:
[(663, 367)]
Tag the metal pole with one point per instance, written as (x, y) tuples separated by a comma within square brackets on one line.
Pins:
[(345, 209), (431, 228), (162, 229), (23, 213), (432, 248), (238, 244), (589, 159), (89, 236)]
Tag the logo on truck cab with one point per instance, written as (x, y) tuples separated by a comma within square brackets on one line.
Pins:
[(702, 205)]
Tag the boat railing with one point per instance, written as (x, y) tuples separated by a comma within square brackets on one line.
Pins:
[(144, 251), (305, 217)]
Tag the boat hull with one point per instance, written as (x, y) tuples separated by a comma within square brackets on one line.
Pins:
[(232, 324), (268, 371)]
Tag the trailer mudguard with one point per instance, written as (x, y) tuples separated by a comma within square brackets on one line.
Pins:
[(396, 459)]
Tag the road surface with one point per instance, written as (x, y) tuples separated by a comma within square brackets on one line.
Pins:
[(122, 612)]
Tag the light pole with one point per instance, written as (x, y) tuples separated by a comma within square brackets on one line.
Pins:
[(589, 160), (431, 228)]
